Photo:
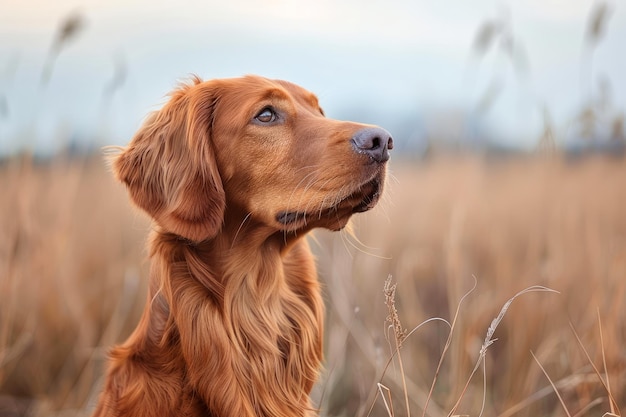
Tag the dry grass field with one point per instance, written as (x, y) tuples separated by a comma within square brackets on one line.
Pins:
[(73, 280)]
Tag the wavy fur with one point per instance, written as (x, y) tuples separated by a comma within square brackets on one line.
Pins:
[(233, 323)]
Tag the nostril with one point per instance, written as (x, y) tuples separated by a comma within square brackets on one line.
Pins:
[(373, 142)]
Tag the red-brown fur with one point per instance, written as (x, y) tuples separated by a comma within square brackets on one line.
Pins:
[(233, 321)]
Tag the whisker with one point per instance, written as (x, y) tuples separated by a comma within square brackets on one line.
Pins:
[(307, 167), (308, 186), (342, 234), (239, 229), (363, 247), (334, 196), (305, 178)]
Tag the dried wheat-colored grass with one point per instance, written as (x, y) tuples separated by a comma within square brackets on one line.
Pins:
[(72, 281), (511, 224)]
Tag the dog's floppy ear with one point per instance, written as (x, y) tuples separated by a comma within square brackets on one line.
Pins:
[(170, 169)]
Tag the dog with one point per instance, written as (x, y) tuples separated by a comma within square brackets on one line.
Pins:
[(235, 173)]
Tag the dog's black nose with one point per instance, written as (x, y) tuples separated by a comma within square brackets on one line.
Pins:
[(374, 142)]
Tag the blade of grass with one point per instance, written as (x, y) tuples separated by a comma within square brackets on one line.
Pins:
[(556, 391), (612, 402), (388, 406), (390, 360), (569, 382), (447, 345), (489, 340), (580, 343)]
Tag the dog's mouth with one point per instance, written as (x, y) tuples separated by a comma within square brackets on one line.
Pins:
[(364, 198), (369, 194)]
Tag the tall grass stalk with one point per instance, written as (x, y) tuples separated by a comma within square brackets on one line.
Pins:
[(447, 345), (489, 340), (605, 384), (556, 391), (399, 332)]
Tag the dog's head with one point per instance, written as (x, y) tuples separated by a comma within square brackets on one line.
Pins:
[(255, 146)]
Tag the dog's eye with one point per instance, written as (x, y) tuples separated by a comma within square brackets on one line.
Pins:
[(267, 115)]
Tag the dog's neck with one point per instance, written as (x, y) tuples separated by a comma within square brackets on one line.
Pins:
[(242, 231), (268, 303), (245, 258)]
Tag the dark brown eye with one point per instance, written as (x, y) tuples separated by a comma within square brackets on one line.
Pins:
[(267, 115)]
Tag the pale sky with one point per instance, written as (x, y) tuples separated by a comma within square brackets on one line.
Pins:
[(382, 60)]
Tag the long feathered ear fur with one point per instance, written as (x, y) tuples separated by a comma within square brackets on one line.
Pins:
[(169, 167)]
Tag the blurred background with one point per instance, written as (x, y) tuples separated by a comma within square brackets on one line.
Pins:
[(508, 172), (85, 73)]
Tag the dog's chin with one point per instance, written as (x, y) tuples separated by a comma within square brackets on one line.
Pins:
[(368, 195), (335, 217)]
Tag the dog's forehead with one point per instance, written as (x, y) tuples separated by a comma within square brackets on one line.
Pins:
[(250, 91), (300, 93)]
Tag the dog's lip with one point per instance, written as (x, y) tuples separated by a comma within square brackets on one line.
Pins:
[(371, 198), (289, 217), (363, 198)]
